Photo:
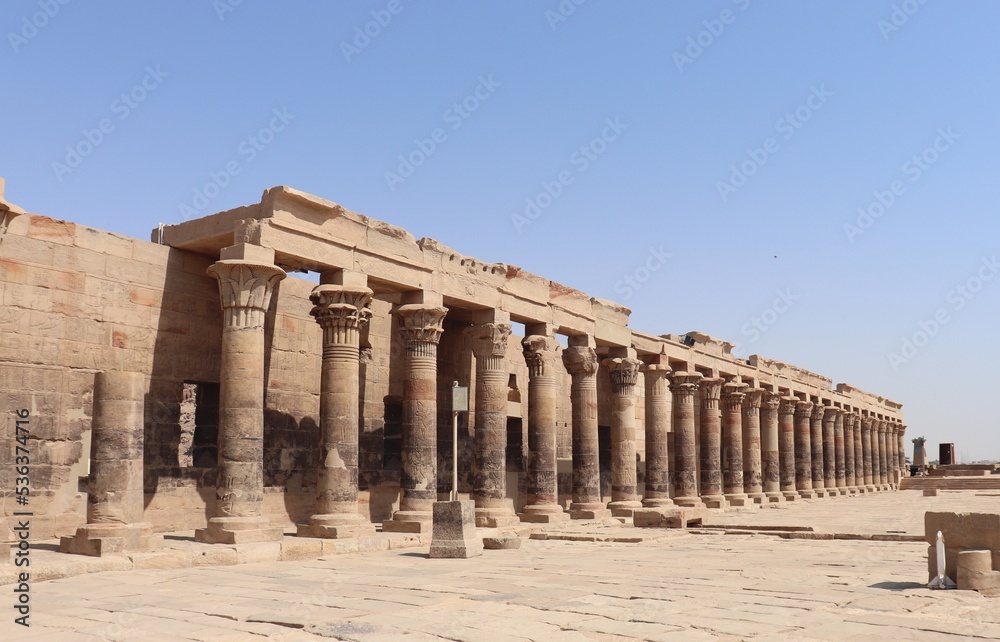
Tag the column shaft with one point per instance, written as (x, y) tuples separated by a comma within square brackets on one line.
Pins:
[(789, 444), (866, 447), (803, 449), (540, 352), (830, 451), (859, 455), (752, 458), (711, 444), (770, 448), (733, 394), (849, 466), (684, 387), (657, 487), (817, 451), (883, 456), (580, 360)]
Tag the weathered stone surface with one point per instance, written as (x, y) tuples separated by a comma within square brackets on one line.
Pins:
[(455, 530), (501, 543)]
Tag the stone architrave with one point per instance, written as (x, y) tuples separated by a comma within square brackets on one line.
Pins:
[(789, 445), (753, 484), (732, 396), (341, 310), (247, 277), (489, 476), (540, 354), (711, 444), (833, 452), (580, 360), (803, 450), (624, 372), (684, 388), (770, 447), (818, 450), (850, 483), (658, 409), (115, 490), (420, 327), (866, 448), (859, 455)]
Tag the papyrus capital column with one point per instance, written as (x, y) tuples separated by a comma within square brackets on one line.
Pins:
[(540, 354), (850, 479), (904, 471), (489, 477), (867, 453), (624, 373), (804, 449), (581, 362), (711, 444), (732, 395), (770, 448), (788, 443), (115, 505), (752, 456), (830, 449), (247, 277), (859, 454), (684, 388), (818, 450), (342, 309), (883, 454), (658, 408)]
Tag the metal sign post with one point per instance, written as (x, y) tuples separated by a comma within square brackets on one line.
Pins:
[(459, 403)]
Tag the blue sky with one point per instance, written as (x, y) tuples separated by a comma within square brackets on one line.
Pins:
[(725, 144)]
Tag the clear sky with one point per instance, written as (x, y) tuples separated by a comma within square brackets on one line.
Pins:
[(815, 181)]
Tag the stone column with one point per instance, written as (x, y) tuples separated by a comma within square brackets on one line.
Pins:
[(684, 387), (624, 375), (859, 455), (733, 394), (904, 470), (580, 360), (540, 352), (420, 327), (877, 445), (770, 450), (830, 451), (866, 447), (341, 308), (114, 488), (752, 464), (788, 445), (850, 482), (657, 488), (883, 455), (489, 475), (247, 276), (711, 444), (803, 450), (817, 450)]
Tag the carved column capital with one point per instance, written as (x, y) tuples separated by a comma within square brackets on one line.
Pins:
[(245, 289), (341, 311), (789, 405), (818, 410), (771, 401), (420, 326), (849, 420), (684, 384), (624, 374), (490, 340), (711, 391), (540, 352), (866, 423), (753, 400), (733, 394), (803, 409), (831, 413), (580, 360)]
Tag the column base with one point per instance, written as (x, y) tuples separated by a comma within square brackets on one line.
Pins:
[(657, 502), (790, 495), (99, 540), (409, 521), (807, 494), (820, 493), (689, 502), (454, 534), (738, 500), (496, 518), (543, 514), (345, 526), (852, 490), (589, 510), (773, 498), (238, 530), (714, 501), (757, 498), (624, 507), (870, 489)]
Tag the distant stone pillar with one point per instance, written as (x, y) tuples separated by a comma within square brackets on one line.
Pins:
[(580, 360), (115, 490), (420, 327), (789, 445), (624, 373), (247, 277), (817, 448), (733, 394), (752, 461), (684, 387), (850, 482), (803, 450), (859, 455), (489, 475), (540, 351), (657, 487), (711, 444), (341, 310), (830, 451), (770, 449), (883, 454), (866, 446)]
